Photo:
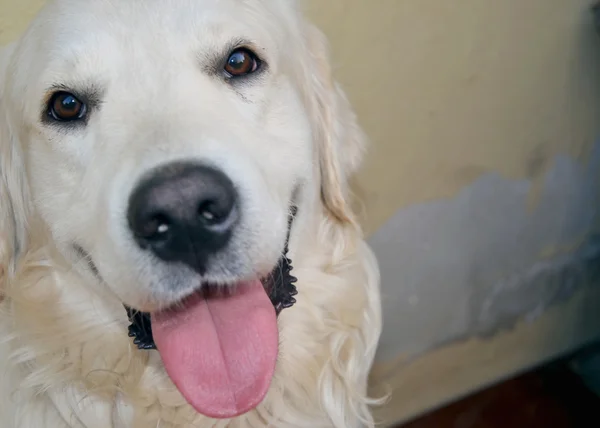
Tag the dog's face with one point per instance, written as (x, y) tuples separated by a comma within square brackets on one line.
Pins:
[(137, 142), (162, 144)]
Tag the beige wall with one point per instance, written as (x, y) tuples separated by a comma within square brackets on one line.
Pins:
[(450, 90)]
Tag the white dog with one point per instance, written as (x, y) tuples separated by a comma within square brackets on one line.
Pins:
[(152, 153)]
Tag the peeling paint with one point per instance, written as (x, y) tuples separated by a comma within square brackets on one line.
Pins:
[(475, 265), (528, 295)]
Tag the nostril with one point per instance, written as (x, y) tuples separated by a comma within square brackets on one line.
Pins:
[(206, 210), (155, 228), (211, 212)]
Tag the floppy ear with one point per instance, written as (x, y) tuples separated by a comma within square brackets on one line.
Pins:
[(14, 205), (341, 141)]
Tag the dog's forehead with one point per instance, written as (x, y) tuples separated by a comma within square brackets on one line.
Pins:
[(151, 21), (83, 39), (84, 28)]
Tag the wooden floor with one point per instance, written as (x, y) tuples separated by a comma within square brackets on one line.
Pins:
[(552, 397)]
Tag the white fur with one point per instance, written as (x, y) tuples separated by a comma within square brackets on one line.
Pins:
[(289, 135)]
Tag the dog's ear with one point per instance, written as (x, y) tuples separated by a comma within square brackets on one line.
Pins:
[(341, 141), (14, 205)]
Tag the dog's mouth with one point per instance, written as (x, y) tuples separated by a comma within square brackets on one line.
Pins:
[(219, 346), (279, 286)]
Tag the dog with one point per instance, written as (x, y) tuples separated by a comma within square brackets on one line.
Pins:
[(165, 159)]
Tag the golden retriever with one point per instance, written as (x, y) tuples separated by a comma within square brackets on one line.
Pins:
[(158, 159)]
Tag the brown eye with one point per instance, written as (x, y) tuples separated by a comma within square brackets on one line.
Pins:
[(241, 62), (65, 107)]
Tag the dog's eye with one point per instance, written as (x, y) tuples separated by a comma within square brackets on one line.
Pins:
[(66, 107), (241, 62)]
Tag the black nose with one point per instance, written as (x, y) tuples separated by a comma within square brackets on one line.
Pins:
[(184, 212)]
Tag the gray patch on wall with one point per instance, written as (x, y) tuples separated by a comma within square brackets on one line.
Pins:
[(527, 296), (472, 266)]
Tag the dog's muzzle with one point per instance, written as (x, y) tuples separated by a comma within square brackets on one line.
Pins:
[(280, 285)]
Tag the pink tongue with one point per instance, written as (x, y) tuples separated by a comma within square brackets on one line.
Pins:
[(220, 352)]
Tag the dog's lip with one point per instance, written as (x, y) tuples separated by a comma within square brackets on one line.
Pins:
[(202, 288), (209, 289), (86, 256), (206, 288)]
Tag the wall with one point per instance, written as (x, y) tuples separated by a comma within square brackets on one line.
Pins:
[(449, 93), (482, 188), (480, 191)]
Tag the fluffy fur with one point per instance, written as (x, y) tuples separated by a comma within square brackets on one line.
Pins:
[(288, 135)]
